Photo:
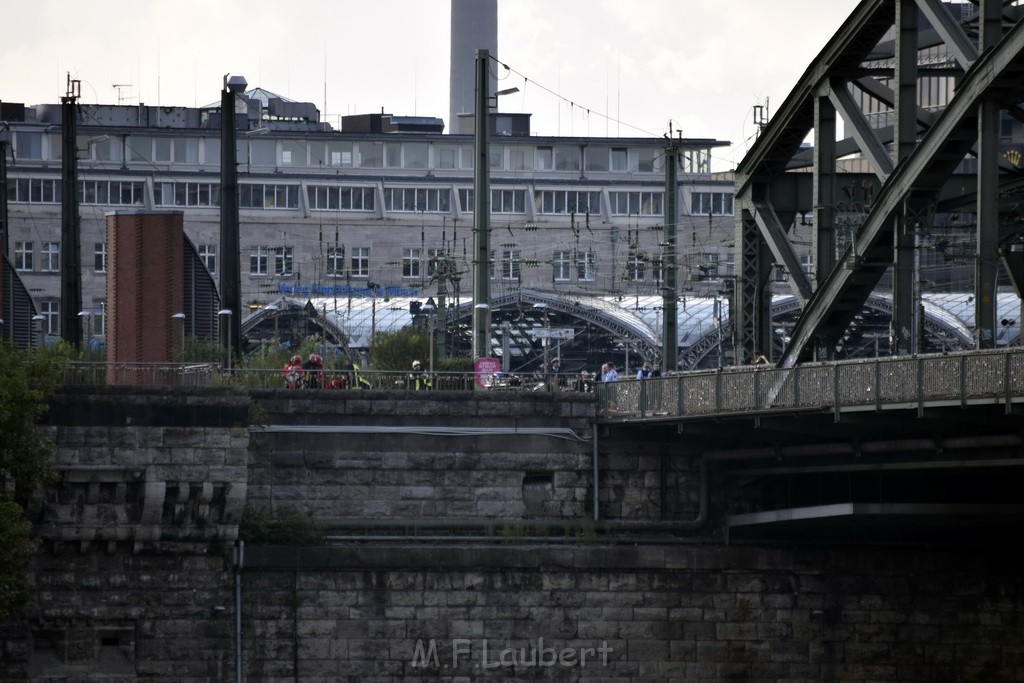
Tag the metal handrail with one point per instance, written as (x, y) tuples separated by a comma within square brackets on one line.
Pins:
[(875, 384)]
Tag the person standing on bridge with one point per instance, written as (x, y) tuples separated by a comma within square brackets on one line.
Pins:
[(555, 376), (608, 373), (314, 371), (418, 380), (293, 373), (646, 371)]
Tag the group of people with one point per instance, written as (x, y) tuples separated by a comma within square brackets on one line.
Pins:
[(608, 373), (311, 374)]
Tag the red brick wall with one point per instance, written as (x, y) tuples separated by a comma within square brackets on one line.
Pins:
[(144, 286)]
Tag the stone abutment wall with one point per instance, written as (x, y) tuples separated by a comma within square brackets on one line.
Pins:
[(462, 551)]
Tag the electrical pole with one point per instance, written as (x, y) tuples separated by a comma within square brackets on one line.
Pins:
[(70, 224), (669, 329), (481, 211), (230, 274)]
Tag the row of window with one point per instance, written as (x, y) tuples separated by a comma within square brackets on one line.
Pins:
[(343, 198), (105, 192), (506, 263), (357, 154), (279, 261)]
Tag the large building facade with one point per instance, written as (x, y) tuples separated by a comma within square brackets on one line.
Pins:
[(386, 210)]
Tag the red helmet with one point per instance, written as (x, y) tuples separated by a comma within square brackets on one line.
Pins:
[(296, 359), (315, 358)]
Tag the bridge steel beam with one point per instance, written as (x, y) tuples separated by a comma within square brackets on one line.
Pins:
[(914, 178)]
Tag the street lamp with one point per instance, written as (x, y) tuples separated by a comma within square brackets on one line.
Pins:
[(87, 316), (547, 332), (37, 324), (428, 310), (181, 317), (225, 314)]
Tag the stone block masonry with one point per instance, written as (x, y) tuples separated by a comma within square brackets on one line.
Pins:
[(678, 613), (136, 572)]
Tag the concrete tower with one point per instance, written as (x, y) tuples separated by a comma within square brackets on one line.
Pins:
[(474, 26)]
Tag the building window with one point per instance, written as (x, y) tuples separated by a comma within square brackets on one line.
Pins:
[(713, 203), (99, 257), (28, 145), (252, 196), (568, 202), (334, 198), (561, 266), (259, 261), (510, 264), (50, 310), (517, 159), (545, 159), (49, 257), (597, 158), (586, 266), (186, 194), (294, 153), (283, 261), (34, 191), (111, 192), (411, 199), (446, 156), (335, 261), (620, 159), (636, 268), (567, 158), (415, 155), (360, 262), (466, 200), (208, 255), (23, 256), (410, 263), (807, 263), (636, 203), (508, 201), (340, 154), (645, 160)]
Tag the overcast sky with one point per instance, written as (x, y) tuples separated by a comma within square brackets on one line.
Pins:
[(635, 65)]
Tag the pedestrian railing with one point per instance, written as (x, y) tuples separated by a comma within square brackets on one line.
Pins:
[(212, 374), (885, 383)]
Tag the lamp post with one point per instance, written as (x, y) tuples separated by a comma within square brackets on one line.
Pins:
[(428, 309), (225, 316), (547, 332), (37, 326), (87, 328), (181, 317), (506, 331)]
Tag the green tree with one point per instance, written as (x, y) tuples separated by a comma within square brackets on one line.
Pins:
[(27, 379), (397, 350)]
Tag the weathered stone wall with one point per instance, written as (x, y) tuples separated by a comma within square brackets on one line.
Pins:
[(136, 574), (682, 613), (375, 456)]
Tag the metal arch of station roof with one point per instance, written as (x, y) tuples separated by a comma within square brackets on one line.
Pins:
[(286, 304), (944, 318), (604, 312)]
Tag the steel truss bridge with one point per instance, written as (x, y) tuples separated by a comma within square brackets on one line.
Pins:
[(925, 448), (928, 162)]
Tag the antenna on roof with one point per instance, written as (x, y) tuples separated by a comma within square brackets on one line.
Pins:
[(121, 97)]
